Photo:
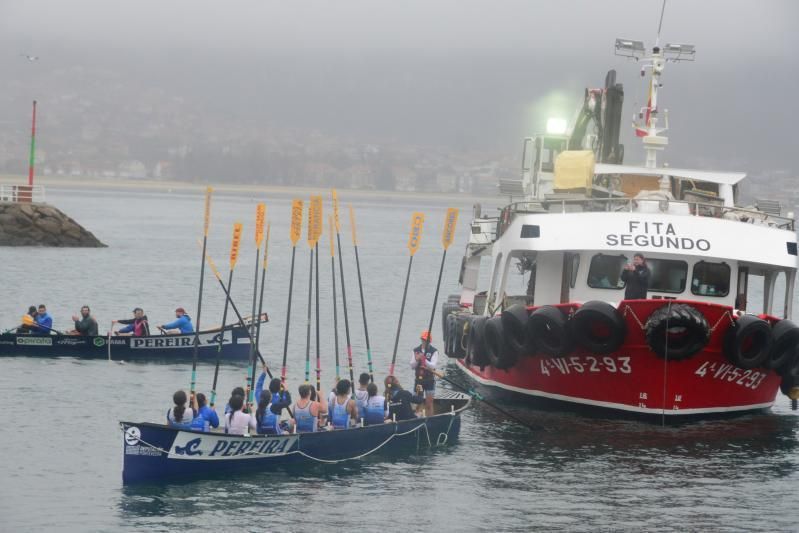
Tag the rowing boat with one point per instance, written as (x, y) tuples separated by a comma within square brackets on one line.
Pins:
[(157, 452), (235, 346)]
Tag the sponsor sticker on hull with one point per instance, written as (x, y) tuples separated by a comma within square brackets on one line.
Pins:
[(214, 447), (34, 341)]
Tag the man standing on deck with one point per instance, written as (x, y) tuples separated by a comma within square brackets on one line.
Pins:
[(85, 324), (424, 361), (44, 322), (636, 275)]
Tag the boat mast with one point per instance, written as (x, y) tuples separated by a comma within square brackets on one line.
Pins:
[(645, 123)]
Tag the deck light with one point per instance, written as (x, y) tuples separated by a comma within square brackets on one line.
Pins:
[(556, 126)]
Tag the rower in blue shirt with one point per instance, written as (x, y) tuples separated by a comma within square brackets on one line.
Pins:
[(44, 322), (206, 417), (181, 324)]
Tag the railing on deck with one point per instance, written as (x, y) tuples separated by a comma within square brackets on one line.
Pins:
[(711, 210), (24, 194)]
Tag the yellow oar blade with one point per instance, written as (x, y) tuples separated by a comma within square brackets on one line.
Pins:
[(415, 238), (330, 224), (296, 221), (234, 244), (335, 210), (207, 223), (260, 217), (314, 221), (266, 246), (449, 227)]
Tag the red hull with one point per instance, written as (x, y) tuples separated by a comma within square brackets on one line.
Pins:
[(634, 380)]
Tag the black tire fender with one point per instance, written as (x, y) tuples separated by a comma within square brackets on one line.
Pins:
[(679, 329), (748, 342), (477, 350), (547, 328), (499, 354), (598, 327), (517, 335), (785, 335)]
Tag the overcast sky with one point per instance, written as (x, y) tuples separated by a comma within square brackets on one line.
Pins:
[(460, 73)]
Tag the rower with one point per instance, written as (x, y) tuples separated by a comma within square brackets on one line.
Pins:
[(344, 409), (180, 416), (425, 360), (268, 420), (361, 394), (306, 410), (136, 326), (206, 418), (28, 321), (399, 404), (238, 422), (281, 399), (375, 408), (85, 324), (181, 324), (44, 322)]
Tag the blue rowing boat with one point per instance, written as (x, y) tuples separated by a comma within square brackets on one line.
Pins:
[(235, 346), (157, 452)]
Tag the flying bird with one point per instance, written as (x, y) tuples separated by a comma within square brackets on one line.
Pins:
[(30, 58)]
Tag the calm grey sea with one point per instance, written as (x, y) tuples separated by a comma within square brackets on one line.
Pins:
[(61, 449)]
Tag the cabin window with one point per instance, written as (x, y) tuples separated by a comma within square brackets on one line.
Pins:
[(711, 279), (668, 275), (605, 271)]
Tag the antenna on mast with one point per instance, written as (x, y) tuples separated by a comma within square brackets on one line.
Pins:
[(645, 123)]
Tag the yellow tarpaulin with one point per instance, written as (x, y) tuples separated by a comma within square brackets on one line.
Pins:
[(574, 169)]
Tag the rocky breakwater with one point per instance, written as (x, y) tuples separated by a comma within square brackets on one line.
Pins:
[(35, 224)]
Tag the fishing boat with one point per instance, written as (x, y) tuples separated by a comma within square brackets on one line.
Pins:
[(156, 452), (230, 344), (549, 325)]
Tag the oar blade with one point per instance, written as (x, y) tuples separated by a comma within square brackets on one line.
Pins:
[(450, 222), (330, 225), (415, 238), (315, 220), (335, 210), (352, 226), (296, 221), (207, 221), (234, 244), (260, 217)]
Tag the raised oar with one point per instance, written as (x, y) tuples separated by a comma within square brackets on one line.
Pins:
[(363, 301), (331, 225), (311, 237), (343, 287), (295, 234), (28, 320), (206, 223), (234, 256), (218, 277), (260, 217), (263, 281), (316, 209), (447, 236), (415, 238)]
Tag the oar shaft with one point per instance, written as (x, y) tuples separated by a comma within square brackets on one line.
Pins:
[(308, 326), (318, 353), (335, 315), (344, 305), (253, 347), (241, 321), (288, 316), (221, 339), (199, 316), (363, 312), (401, 314)]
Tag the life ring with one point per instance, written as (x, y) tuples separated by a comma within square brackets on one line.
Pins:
[(598, 327), (783, 349), (677, 331), (477, 352), (496, 345), (547, 329), (517, 335), (748, 342)]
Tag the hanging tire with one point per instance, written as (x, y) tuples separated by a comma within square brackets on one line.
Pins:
[(748, 342), (598, 327), (449, 338), (548, 330), (785, 335), (477, 349), (499, 354), (447, 309), (677, 331), (460, 334), (517, 334)]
